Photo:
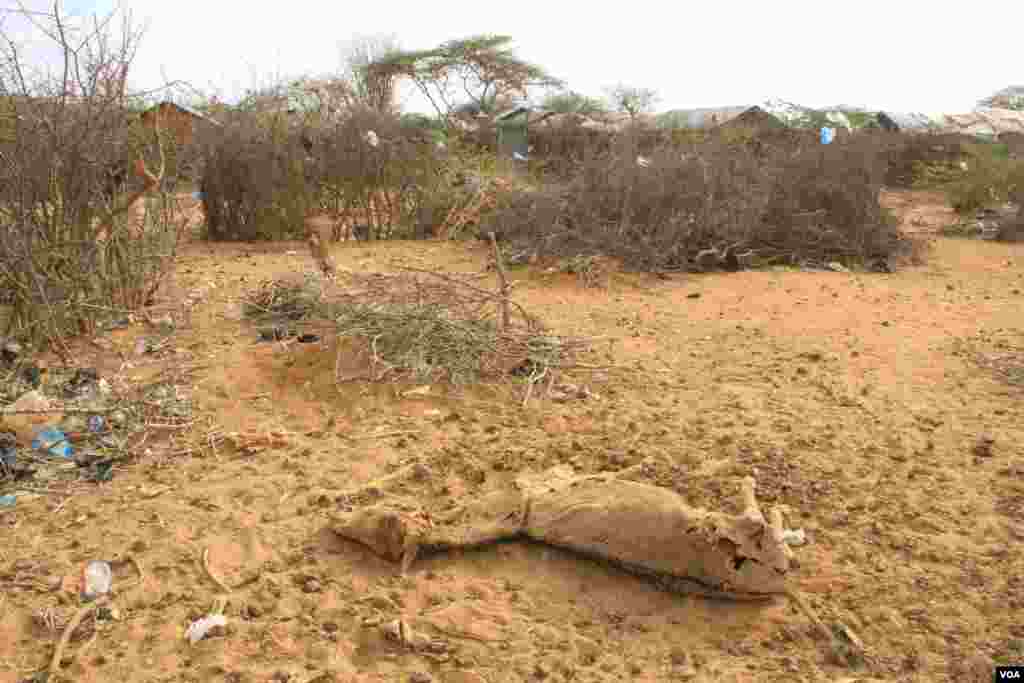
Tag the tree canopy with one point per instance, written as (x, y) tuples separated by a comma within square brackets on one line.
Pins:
[(479, 73)]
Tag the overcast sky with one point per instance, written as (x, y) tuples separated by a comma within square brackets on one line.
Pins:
[(905, 55)]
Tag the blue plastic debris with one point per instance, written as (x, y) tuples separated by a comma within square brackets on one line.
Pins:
[(8, 501), (828, 135), (54, 441)]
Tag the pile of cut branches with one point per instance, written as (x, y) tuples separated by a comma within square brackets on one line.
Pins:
[(426, 326), (279, 300)]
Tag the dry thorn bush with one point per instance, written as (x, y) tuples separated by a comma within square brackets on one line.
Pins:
[(656, 201), (73, 249)]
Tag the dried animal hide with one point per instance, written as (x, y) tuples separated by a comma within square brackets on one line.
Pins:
[(646, 530)]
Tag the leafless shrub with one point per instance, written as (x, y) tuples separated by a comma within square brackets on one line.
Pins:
[(377, 173), (779, 198), (257, 182), (72, 246)]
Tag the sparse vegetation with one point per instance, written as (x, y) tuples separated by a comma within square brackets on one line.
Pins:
[(207, 428)]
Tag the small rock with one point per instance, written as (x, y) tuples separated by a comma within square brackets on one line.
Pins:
[(693, 295), (311, 586), (420, 677), (837, 267), (983, 447)]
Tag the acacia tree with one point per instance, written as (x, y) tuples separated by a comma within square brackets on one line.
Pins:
[(363, 82), (481, 72), (631, 100), (570, 102)]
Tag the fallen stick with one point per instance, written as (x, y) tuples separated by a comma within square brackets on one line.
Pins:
[(65, 637), (209, 572)]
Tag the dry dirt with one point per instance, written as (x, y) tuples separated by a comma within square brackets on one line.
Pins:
[(860, 401)]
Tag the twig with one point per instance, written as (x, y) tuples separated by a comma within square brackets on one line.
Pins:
[(65, 638), (503, 283), (819, 625), (376, 436), (209, 572)]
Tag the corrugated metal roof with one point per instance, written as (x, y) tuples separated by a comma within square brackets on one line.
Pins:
[(986, 122), (705, 117), (908, 120)]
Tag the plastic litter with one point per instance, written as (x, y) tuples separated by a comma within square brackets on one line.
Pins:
[(828, 135), (96, 580), (201, 627), (54, 441), (96, 423), (794, 537), (8, 456), (8, 500)]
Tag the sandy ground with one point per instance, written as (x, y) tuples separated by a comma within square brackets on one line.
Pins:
[(860, 401)]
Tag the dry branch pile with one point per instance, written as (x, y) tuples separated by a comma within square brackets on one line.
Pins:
[(433, 327)]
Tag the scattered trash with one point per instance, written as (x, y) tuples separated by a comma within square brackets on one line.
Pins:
[(418, 391), (309, 338), (642, 162), (837, 267), (33, 375), (54, 441), (10, 350), (96, 423), (794, 537), (828, 135), (8, 454), (203, 627), (371, 138), (8, 500), (693, 295), (96, 580), (97, 469)]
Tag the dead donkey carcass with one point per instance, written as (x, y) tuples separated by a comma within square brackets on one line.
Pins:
[(643, 529)]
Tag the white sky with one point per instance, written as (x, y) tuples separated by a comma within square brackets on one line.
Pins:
[(904, 55)]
